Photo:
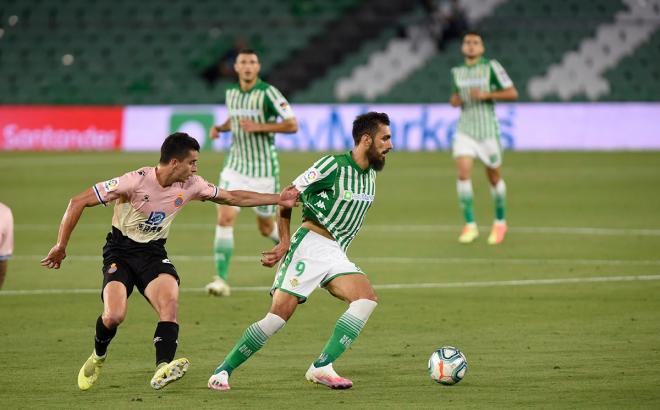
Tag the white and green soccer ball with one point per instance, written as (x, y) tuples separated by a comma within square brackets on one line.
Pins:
[(447, 365)]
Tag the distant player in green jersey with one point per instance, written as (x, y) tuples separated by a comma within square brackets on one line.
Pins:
[(253, 107), (476, 85), (336, 193)]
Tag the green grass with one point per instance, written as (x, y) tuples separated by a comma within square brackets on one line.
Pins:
[(565, 345)]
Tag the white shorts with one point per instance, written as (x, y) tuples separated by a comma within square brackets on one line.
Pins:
[(6, 232), (232, 180), (311, 262), (488, 151)]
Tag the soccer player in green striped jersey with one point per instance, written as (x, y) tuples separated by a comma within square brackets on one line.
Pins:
[(336, 193), (476, 85), (253, 106)]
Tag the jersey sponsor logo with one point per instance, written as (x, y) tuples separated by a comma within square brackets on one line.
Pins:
[(152, 223), (178, 201), (472, 82), (310, 176), (351, 196), (111, 185), (243, 112)]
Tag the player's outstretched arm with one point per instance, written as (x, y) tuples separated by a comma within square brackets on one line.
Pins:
[(286, 198), (288, 126), (71, 216), (455, 100), (508, 94), (216, 129), (271, 257)]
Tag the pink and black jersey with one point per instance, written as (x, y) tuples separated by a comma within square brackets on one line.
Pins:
[(144, 210)]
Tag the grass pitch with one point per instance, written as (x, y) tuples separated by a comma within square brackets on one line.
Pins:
[(564, 314)]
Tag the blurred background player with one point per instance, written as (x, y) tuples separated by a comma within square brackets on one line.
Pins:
[(477, 84), (336, 192), (6, 239), (252, 164), (146, 201)]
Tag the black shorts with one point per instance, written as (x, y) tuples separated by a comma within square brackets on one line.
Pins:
[(133, 263)]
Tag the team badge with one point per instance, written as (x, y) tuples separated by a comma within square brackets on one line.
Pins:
[(110, 185), (112, 269), (178, 201), (348, 195), (294, 282)]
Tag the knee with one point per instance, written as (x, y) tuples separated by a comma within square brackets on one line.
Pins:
[(167, 309), (265, 229), (225, 220), (113, 319)]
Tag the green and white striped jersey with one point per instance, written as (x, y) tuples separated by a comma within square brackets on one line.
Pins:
[(253, 153), (336, 193), (478, 117)]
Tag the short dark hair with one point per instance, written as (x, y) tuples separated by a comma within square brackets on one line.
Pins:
[(247, 51), (177, 145), (473, 33), (368, 123)]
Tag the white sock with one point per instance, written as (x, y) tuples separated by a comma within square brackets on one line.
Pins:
[(271, 324), (362, 309), (224, 232), (464, 188), (275, 234)]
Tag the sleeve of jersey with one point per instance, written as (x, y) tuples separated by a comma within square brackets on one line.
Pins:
[(205, 190), (280, 104), (108, 191), (499, 77), (316, 174), (454, 87)]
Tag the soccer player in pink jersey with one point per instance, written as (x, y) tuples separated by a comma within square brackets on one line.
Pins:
[(6, 239), (146, 202)]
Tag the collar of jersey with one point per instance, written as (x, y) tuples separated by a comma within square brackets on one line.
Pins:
[(254, 87), (481, 60), (354, 164)]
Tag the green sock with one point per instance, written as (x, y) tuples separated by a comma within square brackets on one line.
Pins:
[(223, 248), (253, 339), (464, 189), (347, 329), (499, 197)]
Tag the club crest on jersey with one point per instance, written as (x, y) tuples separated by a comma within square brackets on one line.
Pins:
[(111, 185), (112, 268), (348, 196), (178, 201), (294, 282)]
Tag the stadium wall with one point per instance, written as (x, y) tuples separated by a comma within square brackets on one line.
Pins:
[(415, 127)]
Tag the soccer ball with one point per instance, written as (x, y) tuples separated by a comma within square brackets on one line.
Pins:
[(447, 365)]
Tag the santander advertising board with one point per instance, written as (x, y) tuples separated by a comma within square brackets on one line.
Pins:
[(40, 128)]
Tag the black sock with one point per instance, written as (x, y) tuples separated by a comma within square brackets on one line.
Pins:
[(103, 337), (165, 340)]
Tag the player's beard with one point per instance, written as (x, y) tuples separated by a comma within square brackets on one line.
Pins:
[(374, 158)]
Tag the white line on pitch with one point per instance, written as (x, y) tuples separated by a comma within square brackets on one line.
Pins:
[(399, 260), (569, 230), (436, 285)]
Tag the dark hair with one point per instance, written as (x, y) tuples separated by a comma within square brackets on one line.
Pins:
[(473, 33), (368, 123), (177, 145), (247, 51)]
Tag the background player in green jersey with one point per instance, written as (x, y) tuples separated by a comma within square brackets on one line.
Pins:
[(253, 107), (336, 193), (477, 84)]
